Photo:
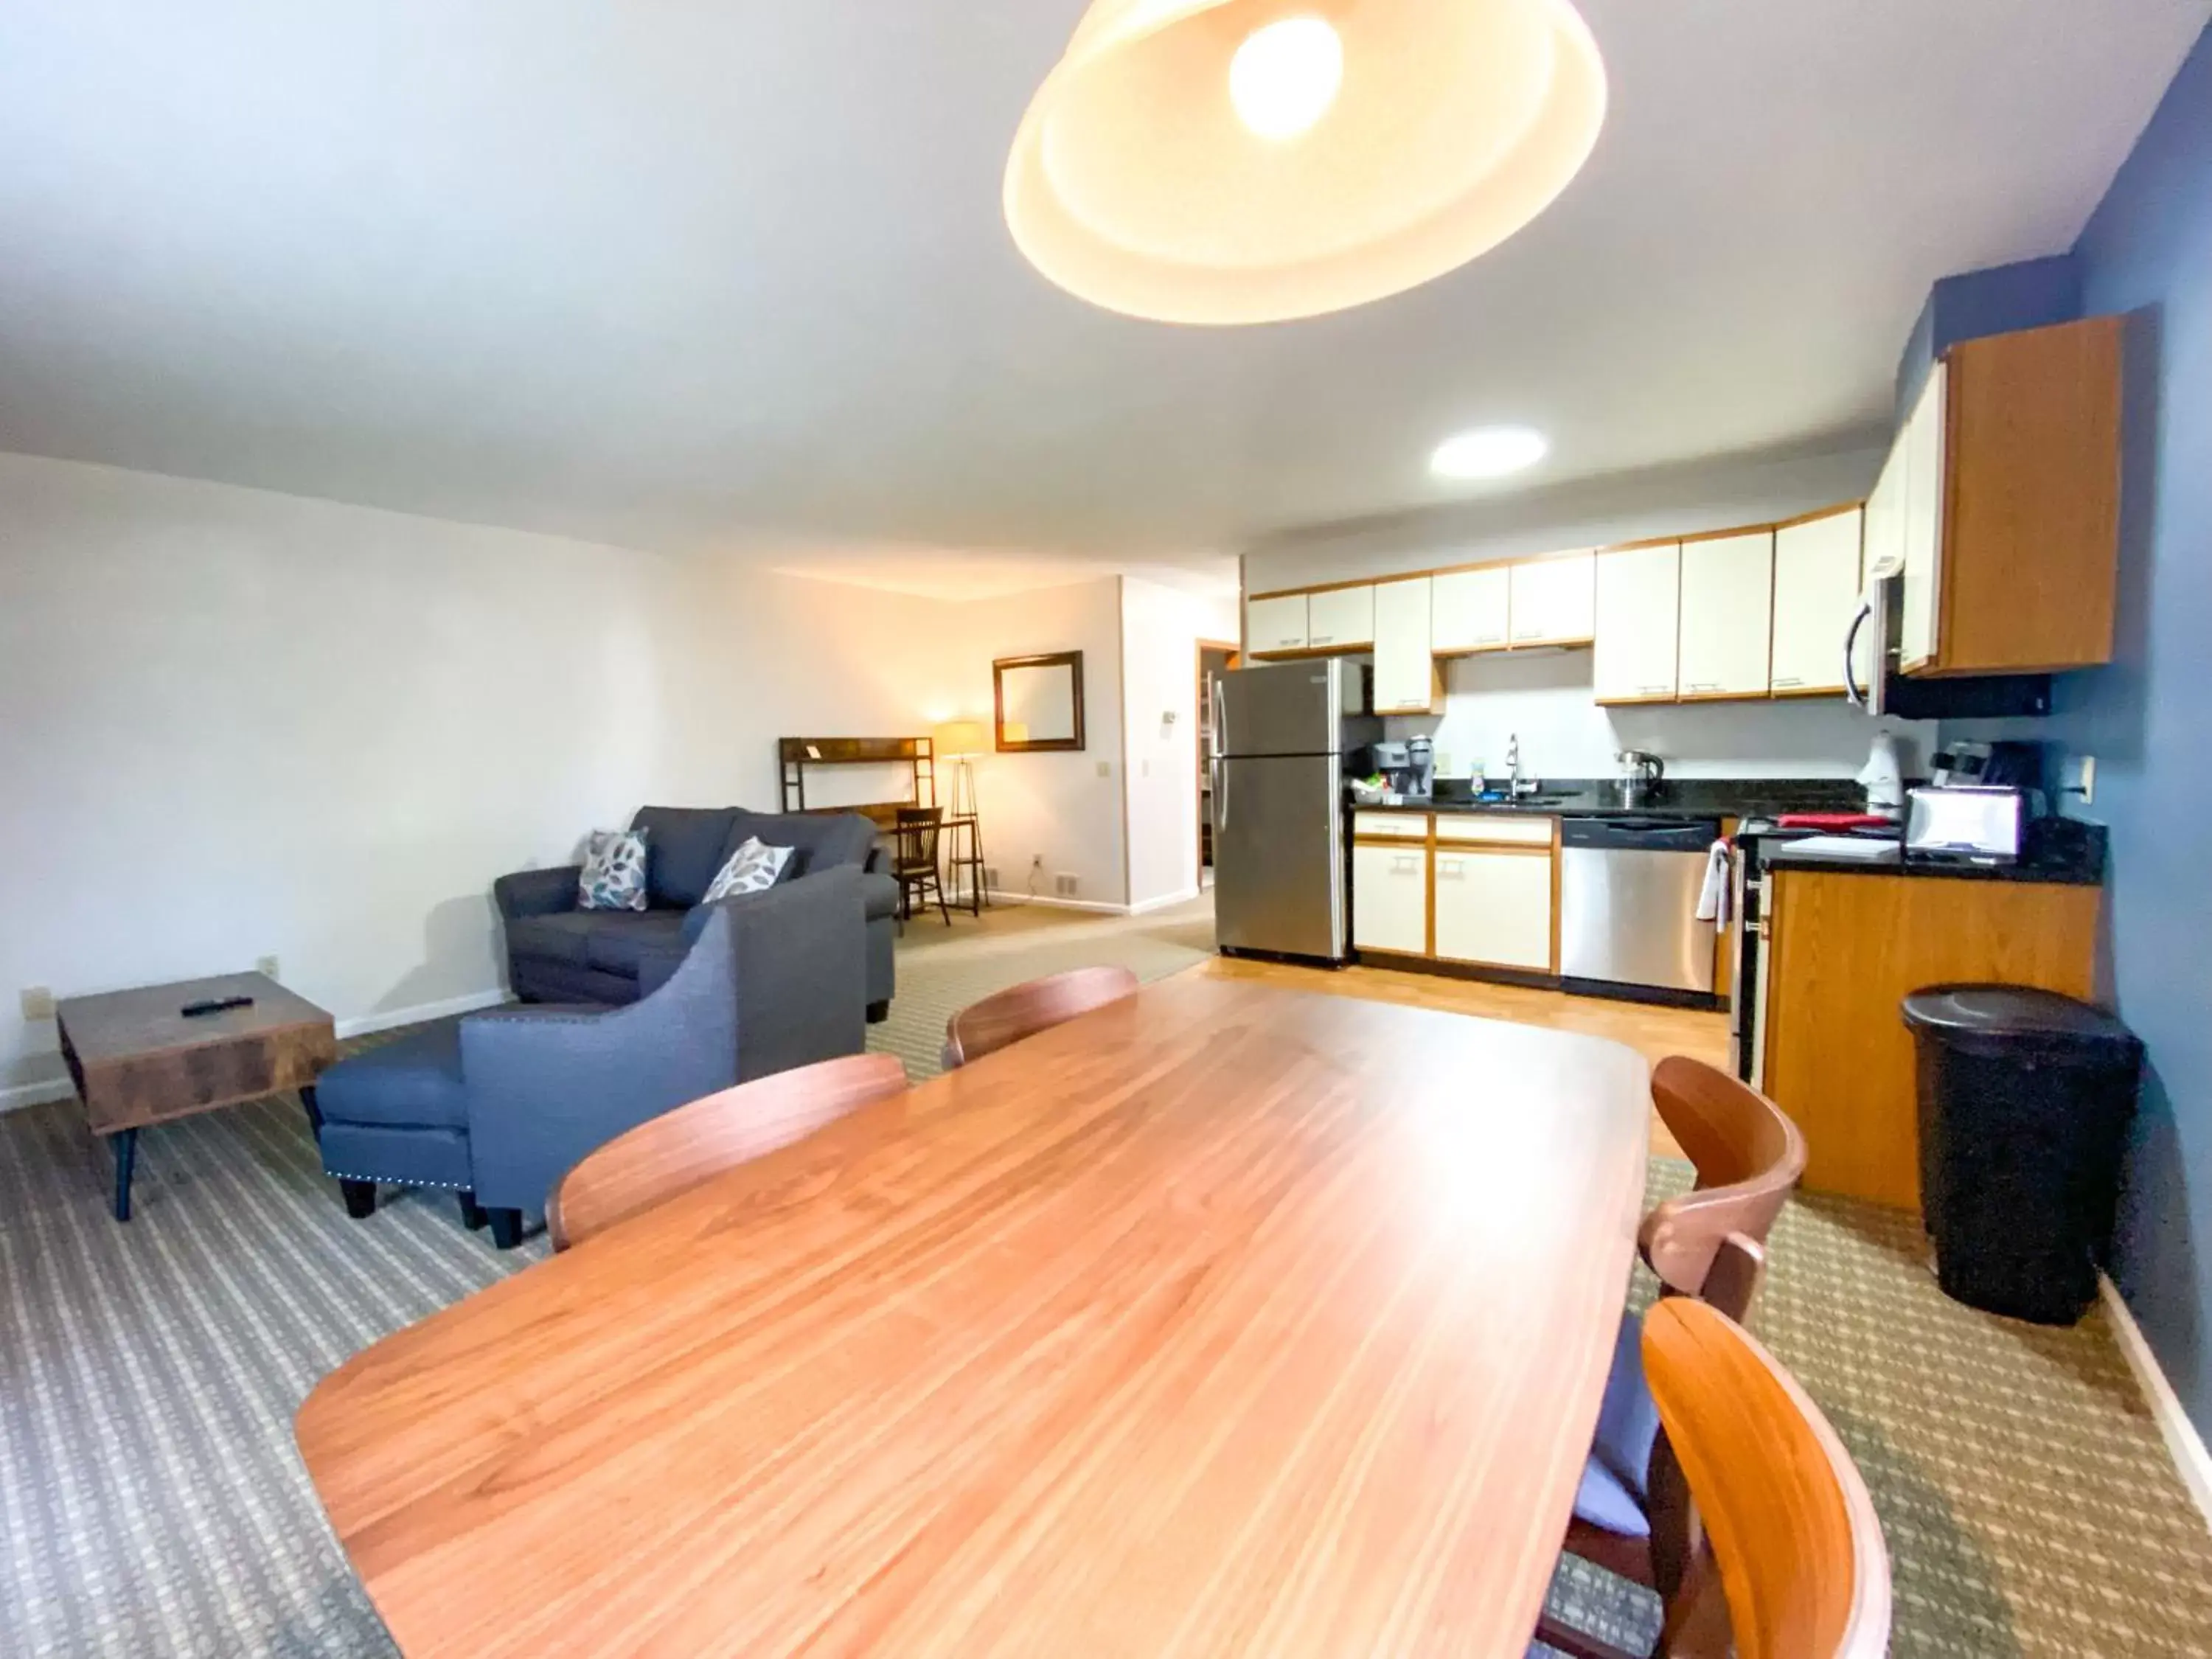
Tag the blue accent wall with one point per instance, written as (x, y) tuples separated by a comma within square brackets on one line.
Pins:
[(2148, 718), (2030, 293)]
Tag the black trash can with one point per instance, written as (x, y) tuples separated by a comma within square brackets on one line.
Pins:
[(2025, 1101)]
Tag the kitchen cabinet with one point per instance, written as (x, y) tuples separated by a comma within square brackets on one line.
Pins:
[(1845, 950), (2011, 521), (1639, 612), (1816, 591), (1920, 523), (1275, 624), (1340, 616), (1470, 610), (1552, 600), (1406, 677), (1727, 618), (1390, 897), (1494, 891)]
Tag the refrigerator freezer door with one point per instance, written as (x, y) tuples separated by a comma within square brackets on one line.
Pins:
[(1278, 856), (1282, 708)]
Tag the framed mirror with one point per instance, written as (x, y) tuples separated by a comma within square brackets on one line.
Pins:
[(1039, 702)]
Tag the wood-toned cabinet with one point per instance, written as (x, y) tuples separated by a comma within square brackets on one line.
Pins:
[(1816, 590), (1339, 616), (1470, 610), (1727, 610), (2010, 507), (1390, 897), (1406, 681), (1275, 624), (1552, 601), (1638, 613)]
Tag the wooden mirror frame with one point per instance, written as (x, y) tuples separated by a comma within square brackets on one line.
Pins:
[(1071, 660)]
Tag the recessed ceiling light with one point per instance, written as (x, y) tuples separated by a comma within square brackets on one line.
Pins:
[(1490, 451)]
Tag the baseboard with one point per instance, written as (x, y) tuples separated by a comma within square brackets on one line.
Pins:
[(390, 1016), (2182, 1441), (36, 1094), (999, 897), (1161, 902)]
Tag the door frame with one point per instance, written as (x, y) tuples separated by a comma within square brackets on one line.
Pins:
[(1235, 653)]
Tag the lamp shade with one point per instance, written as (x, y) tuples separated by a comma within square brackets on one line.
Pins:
[(1251, 160), (957, 738)]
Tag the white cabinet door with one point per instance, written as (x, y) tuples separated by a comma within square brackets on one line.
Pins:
[(1470, 610), (1728, 615), (1816, 592), (1553, 600), (1340, 616), (1494, 907), (1922, 531), (1640, 596), (1405, 670), (1277, 625), (1390, 899)]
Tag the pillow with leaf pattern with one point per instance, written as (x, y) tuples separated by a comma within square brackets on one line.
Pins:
[(614, 872), (753, 868)]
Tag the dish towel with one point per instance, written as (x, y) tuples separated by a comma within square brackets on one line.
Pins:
[(1713, 899)]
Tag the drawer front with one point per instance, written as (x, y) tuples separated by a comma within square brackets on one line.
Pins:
[(1390, 899), (1398, 826), (1494, 908), (1495, 828)]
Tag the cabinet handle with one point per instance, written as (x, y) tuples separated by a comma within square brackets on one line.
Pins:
[(1704, 685), (1323, 639), (1788, 679), (1452, 867)]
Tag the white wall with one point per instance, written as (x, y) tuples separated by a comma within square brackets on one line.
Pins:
[(1161, 628), (1545, 697), (235, 724)]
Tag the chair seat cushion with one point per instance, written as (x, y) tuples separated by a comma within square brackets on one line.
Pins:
[(1628, 1419), (412, 1081), (614, 945), (1603, 1502), (565, 937)]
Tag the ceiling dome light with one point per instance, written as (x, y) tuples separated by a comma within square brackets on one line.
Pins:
[(1491, 452), (1284, 76), (1219, 162)]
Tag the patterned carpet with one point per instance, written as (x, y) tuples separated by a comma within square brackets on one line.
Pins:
[(151, 1503)]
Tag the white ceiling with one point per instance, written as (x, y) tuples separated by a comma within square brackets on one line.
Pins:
[(702, 274)]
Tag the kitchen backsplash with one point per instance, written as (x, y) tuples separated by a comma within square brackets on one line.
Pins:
[(1545, 697)]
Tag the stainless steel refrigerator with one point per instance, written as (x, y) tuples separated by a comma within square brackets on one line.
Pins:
[(1282, 733)]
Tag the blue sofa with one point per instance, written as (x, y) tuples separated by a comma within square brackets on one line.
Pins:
[(499, 1105), (558, 953)]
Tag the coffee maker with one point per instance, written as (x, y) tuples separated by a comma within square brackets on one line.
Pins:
[(1408, 768)]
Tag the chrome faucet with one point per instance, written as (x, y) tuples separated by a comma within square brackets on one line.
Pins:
[(1516, 786)]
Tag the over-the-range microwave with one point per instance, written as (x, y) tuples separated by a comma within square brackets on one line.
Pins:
[(1991, 696)]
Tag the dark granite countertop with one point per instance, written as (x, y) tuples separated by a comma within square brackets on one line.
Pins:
[(2060, 852), (1688, 798)]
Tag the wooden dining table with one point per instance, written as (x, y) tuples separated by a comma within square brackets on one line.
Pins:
[(1226, 1319)]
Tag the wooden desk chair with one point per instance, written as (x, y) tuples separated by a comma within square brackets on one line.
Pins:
[(913, 859), (1780, 1553), (677, 1151), (1748, 1156), (984, 1027)]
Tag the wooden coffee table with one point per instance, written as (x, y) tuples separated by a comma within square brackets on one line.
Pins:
[(137, 1061)]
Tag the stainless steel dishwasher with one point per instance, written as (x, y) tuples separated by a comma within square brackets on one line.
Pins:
[(1628, 903)]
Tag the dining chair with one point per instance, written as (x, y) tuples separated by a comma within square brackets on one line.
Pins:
[(1770, 1546), (914, 859), (984, 1027), (674, 1152), (1748, 1156)]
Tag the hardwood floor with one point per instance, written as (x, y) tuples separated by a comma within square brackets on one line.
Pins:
[(1655, 1032)]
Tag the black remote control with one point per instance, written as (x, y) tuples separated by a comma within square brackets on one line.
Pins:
[(214, 1006)]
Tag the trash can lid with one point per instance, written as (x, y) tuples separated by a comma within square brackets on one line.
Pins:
[(1991, 1019)]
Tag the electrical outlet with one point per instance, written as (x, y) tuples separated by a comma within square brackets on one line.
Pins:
[(1064, 884), (265, 965), (1105, 768), (37, 1002), (991, 876), (1036, 860), (2088, 779), (2077, 776)]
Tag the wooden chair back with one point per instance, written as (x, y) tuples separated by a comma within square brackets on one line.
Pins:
[(914, 837), (1748, 1156), (1779, 1512), (984, 1027), (677, 1151)]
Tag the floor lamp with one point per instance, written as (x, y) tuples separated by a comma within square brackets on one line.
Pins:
[(960, 742)]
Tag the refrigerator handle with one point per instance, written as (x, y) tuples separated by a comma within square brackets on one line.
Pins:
[(1220, 717), (1220, 748)]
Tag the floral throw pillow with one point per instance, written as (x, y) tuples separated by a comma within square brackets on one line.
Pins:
[(614, 872), (753, 868)]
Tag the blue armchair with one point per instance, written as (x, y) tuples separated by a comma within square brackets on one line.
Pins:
[(499, 1105)]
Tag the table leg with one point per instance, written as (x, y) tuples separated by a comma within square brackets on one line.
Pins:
[(126, 1144)]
